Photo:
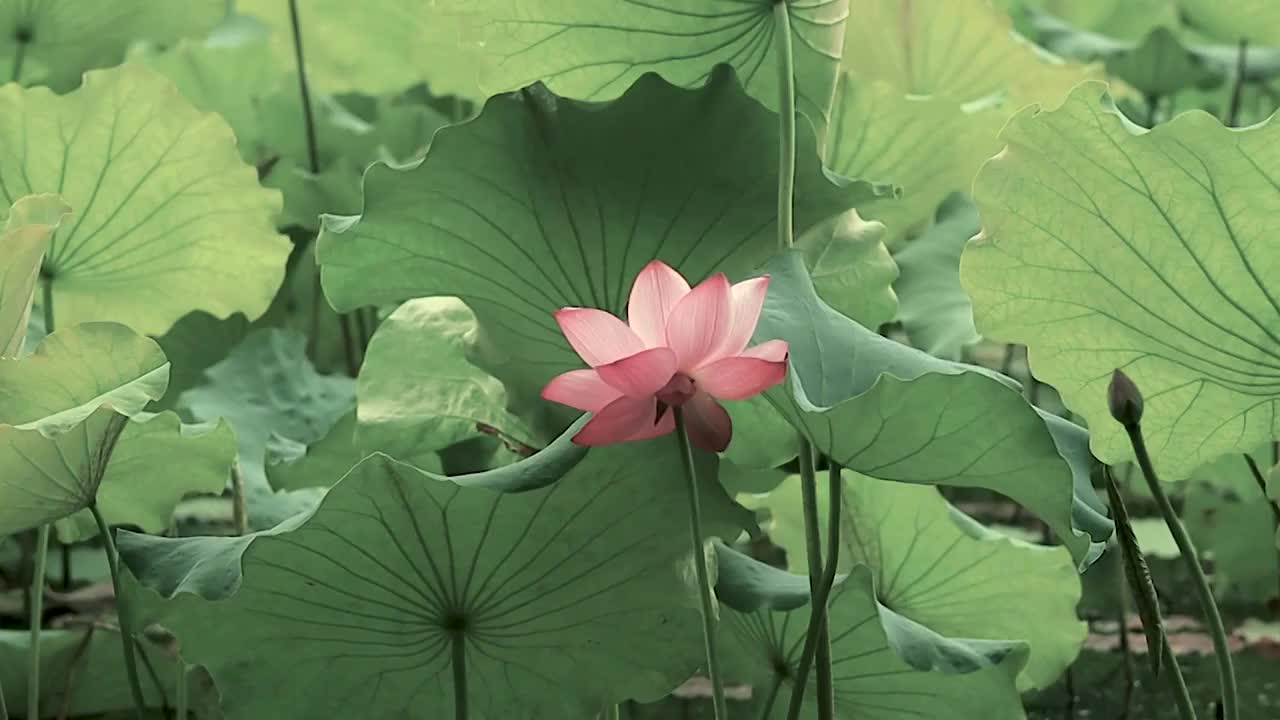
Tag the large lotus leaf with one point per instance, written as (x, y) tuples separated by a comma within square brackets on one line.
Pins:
[(884, 666), (275, 400), (1257, 21), (569, 597), (961, 49), (229, 79), (851, 267), (1123, 19), (928, 146), (326, 460), (80, 671), (595, 49), (167, 219), (418, 391), (1106, 246), (31, 223), (542, 202), (1230, 518), (933, 308), (193, 345), (895, 413), (156, 462), (64, 38), (940, 568), (77, 370), (375, 46)]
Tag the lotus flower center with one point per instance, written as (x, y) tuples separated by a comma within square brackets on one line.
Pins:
[(677, 391)]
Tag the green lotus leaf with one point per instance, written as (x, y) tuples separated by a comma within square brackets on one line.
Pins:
[(1122, 19), (1160, 65), (762, 439), (31, 223), (231, 79), (1257, 21), (66, 440), (928, 146), (139, 485), (1231, 519), (595, 49), (940, 568), (325, 461), (746, 584), (417, 389), (272, 396), (567, 597), (851, 267), (933, 307), (884, 666), (376, 46), (961, 49), (906, 416), (80, 671), (542, 202), (167, 219), (194, 344), (64, 38), (1106, 246)]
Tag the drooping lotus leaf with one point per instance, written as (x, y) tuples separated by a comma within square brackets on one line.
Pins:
[(273, 397), (1257, 21), (1160, 65), (80, 670), (570, 596), (418, 391), (961, 49), (933, 307), (66, 440), (542, 202), (64, 38), (895, 413), (31, 223), (851, 267), (940, 568), (1106, 246), (376, 46), (884, 666), (595, 49), (167, 219), (1230, 518), (928, 146)]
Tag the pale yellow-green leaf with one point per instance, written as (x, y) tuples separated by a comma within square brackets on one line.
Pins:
[(31, 223)]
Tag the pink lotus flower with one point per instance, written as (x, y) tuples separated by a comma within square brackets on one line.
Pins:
[(679, 348)]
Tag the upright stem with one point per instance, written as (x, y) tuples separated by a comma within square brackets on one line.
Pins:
[(39, 566), (786, 126), (1259, 478), (817, 641), (1221, 651), (239, 504), (766, 710), (4, 709), (20, 53), (126, 629), (459, 675), (613, 712), (36, 620), (696, 538), (1181, 695), (308, 117), (1237, 86)]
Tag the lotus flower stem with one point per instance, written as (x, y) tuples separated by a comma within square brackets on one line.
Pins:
[(20, 52), (766, 709), (122, 611), (786, 126), (697, 538), (1126, 404), (4, 709), (1262, 485), (1237, 85), (817, 642), (459, 663), (1186, 709), (36, 620)]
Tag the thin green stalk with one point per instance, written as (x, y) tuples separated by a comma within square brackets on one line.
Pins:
[(612, 712), (1190, 557), (697, 540), (786, 126), (1259, 478), (239, 503), (459, 675), (1237, 85), (126, 624), (39, 567), (817, 641), (4, 709), (180, 702), (36, 620), (308, 115), (766, 710), (20, 54), (1181, 695)]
